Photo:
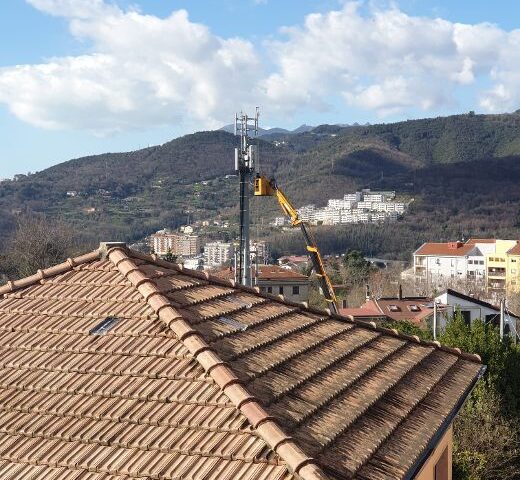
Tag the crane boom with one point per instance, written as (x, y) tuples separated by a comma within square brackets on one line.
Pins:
[(268, 188)]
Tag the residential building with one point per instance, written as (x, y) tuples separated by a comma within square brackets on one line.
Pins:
[(513, 269), (496, 263), (352, 197), (294, 286), (473, 309), (217, 253), (179, 244), (276, 280), (438, 263), (279, 221), (489, 263), (125, 386), (360, 207), (260, 250)]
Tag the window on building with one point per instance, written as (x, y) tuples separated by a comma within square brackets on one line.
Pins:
[(280, 290), (295, 290), (414, 308), (466, 316), (513, 260), (470, 262), (452, 262), (481, 262), (269, 289), (442, 466), (394, 308)]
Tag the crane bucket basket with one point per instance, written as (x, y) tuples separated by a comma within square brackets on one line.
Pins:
[(263, 187)]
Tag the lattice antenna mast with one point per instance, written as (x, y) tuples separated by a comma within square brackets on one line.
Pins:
[(245, 165)]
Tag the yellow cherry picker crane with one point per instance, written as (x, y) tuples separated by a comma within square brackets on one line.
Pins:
[(268, 188)]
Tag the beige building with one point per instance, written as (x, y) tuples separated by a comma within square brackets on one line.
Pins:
[(217, 253), (179, 244), (277, 280)]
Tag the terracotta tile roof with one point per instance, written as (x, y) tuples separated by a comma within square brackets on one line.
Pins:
[(267, 272), (410, 309), (360, 312), (192, 377), (453, 249), (481, 240), (515, 250)]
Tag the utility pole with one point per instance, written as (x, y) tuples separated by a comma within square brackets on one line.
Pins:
[(435, 319), (502, 311), (245, 159)]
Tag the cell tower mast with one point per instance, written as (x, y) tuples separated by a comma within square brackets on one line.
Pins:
[(245, 165)]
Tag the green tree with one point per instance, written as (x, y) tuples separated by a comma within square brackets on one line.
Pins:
[(487, 430), (170, 257), (357, 269)]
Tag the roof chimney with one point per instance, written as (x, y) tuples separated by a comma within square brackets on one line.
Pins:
[(454, 245), (344, 303), (400, 292), (367, 292), (104, 247)]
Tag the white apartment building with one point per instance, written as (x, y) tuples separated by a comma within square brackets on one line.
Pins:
[(217, 253), (307, 213), (437, 263), (279, 221), (260, 249), (340, 204), (359, 207), (352, 197)]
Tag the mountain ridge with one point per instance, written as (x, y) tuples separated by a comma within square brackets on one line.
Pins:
[(127, 195)]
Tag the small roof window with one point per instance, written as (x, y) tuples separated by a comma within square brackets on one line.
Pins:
[(232, 323), (104, 326), (414, 308), (394, 308)]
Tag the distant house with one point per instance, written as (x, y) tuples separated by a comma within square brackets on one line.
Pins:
[(417, 310), (118, 365), (472, 309), (492, 264), (277, 280)]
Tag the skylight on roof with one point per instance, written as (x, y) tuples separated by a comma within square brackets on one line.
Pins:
[(394, 308), (103, 327), (414, 308), (232, 323)]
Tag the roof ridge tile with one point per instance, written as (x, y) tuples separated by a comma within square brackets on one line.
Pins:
[(296, 459), (66, 266)]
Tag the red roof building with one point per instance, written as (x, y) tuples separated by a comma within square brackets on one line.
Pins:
[(118, 365)]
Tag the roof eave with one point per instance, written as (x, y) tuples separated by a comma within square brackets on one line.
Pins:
[(419, 463)]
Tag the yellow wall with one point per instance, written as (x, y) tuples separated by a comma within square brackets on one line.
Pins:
[(428, 470), (499, 259), (513, 273)]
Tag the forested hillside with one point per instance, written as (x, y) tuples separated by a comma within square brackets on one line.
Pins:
[(462, 171)]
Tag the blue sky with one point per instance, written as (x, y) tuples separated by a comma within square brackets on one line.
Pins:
[(79, 77)]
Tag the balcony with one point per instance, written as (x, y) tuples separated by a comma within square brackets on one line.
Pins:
[(497, 272)]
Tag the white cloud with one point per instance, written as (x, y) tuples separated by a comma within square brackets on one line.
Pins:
[(146, 71), (388, 61)]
